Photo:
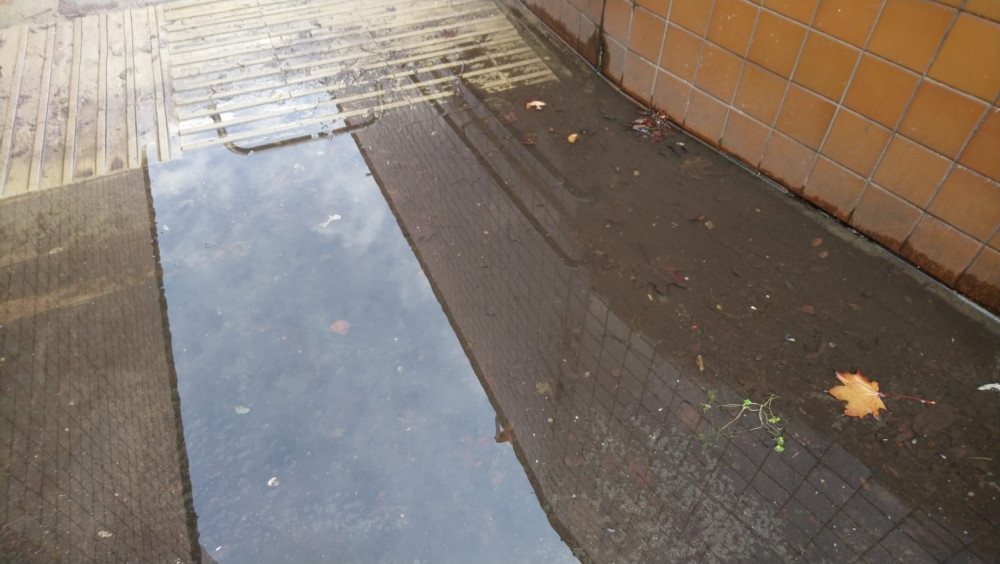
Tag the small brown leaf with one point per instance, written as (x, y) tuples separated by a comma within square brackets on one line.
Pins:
[(862, 396)]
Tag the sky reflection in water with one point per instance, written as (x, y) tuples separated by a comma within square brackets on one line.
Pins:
[(380, 439)]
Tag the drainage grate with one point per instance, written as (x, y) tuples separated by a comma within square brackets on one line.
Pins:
[(86, 97), (79, 98), (252, 74)]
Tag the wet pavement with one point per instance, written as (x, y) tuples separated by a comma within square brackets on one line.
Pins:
[(450, 334)]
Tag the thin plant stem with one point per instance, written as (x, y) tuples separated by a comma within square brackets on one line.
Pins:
[(921, 400)]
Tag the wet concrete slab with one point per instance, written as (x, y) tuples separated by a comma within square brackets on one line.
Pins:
[(466, 329)]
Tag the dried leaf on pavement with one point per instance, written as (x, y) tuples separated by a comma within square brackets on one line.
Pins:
[(862, 396)]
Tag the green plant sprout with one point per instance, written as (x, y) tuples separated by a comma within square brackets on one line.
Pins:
[(768, 420)]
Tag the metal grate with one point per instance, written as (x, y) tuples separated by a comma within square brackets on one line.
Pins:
[(86, 97), (253, 73)]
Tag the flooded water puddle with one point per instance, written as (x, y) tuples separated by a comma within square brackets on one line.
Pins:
[(329, 411), (498, 321)]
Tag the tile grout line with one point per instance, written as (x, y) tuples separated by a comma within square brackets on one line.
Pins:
[(784, 96), (895, 132), (658, 67), (840, 104), (701, 51), (773, 127), (744, 59)]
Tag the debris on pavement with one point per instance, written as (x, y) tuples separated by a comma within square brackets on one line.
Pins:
[(654, 125)]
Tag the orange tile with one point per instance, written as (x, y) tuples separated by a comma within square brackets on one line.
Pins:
[(983, 151), (658, 7), (833, 188), (776, 43), (745, 137), (941, 118), (691, 14), (705, 117), (911, 171), (981, 280), (801, 10), (646, 36), (614, 60), (588, 43), (639, 76), (617, 18), (805, 116), (855, 142), (570, 20), (884, 217), (826, 65), (718, 72), (940, 249), (970, 57), (760, 93), (969, 202), (671, 94), (850, 20), (681, 51), (787, 161), (880, 90), (986, 8), (590, 8), (732, 23), (909, 32)]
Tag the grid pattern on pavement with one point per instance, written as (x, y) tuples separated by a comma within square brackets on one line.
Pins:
[(92, 454), (612, 434)]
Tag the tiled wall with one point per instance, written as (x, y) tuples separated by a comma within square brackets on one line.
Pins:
[(882, 112)]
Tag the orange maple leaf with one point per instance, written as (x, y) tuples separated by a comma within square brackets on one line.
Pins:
[(862, 396)]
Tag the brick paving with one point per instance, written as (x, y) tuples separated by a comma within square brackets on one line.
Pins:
[(619, 444), (92, 457)]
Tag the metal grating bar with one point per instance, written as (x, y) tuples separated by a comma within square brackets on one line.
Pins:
[(87, 97)]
